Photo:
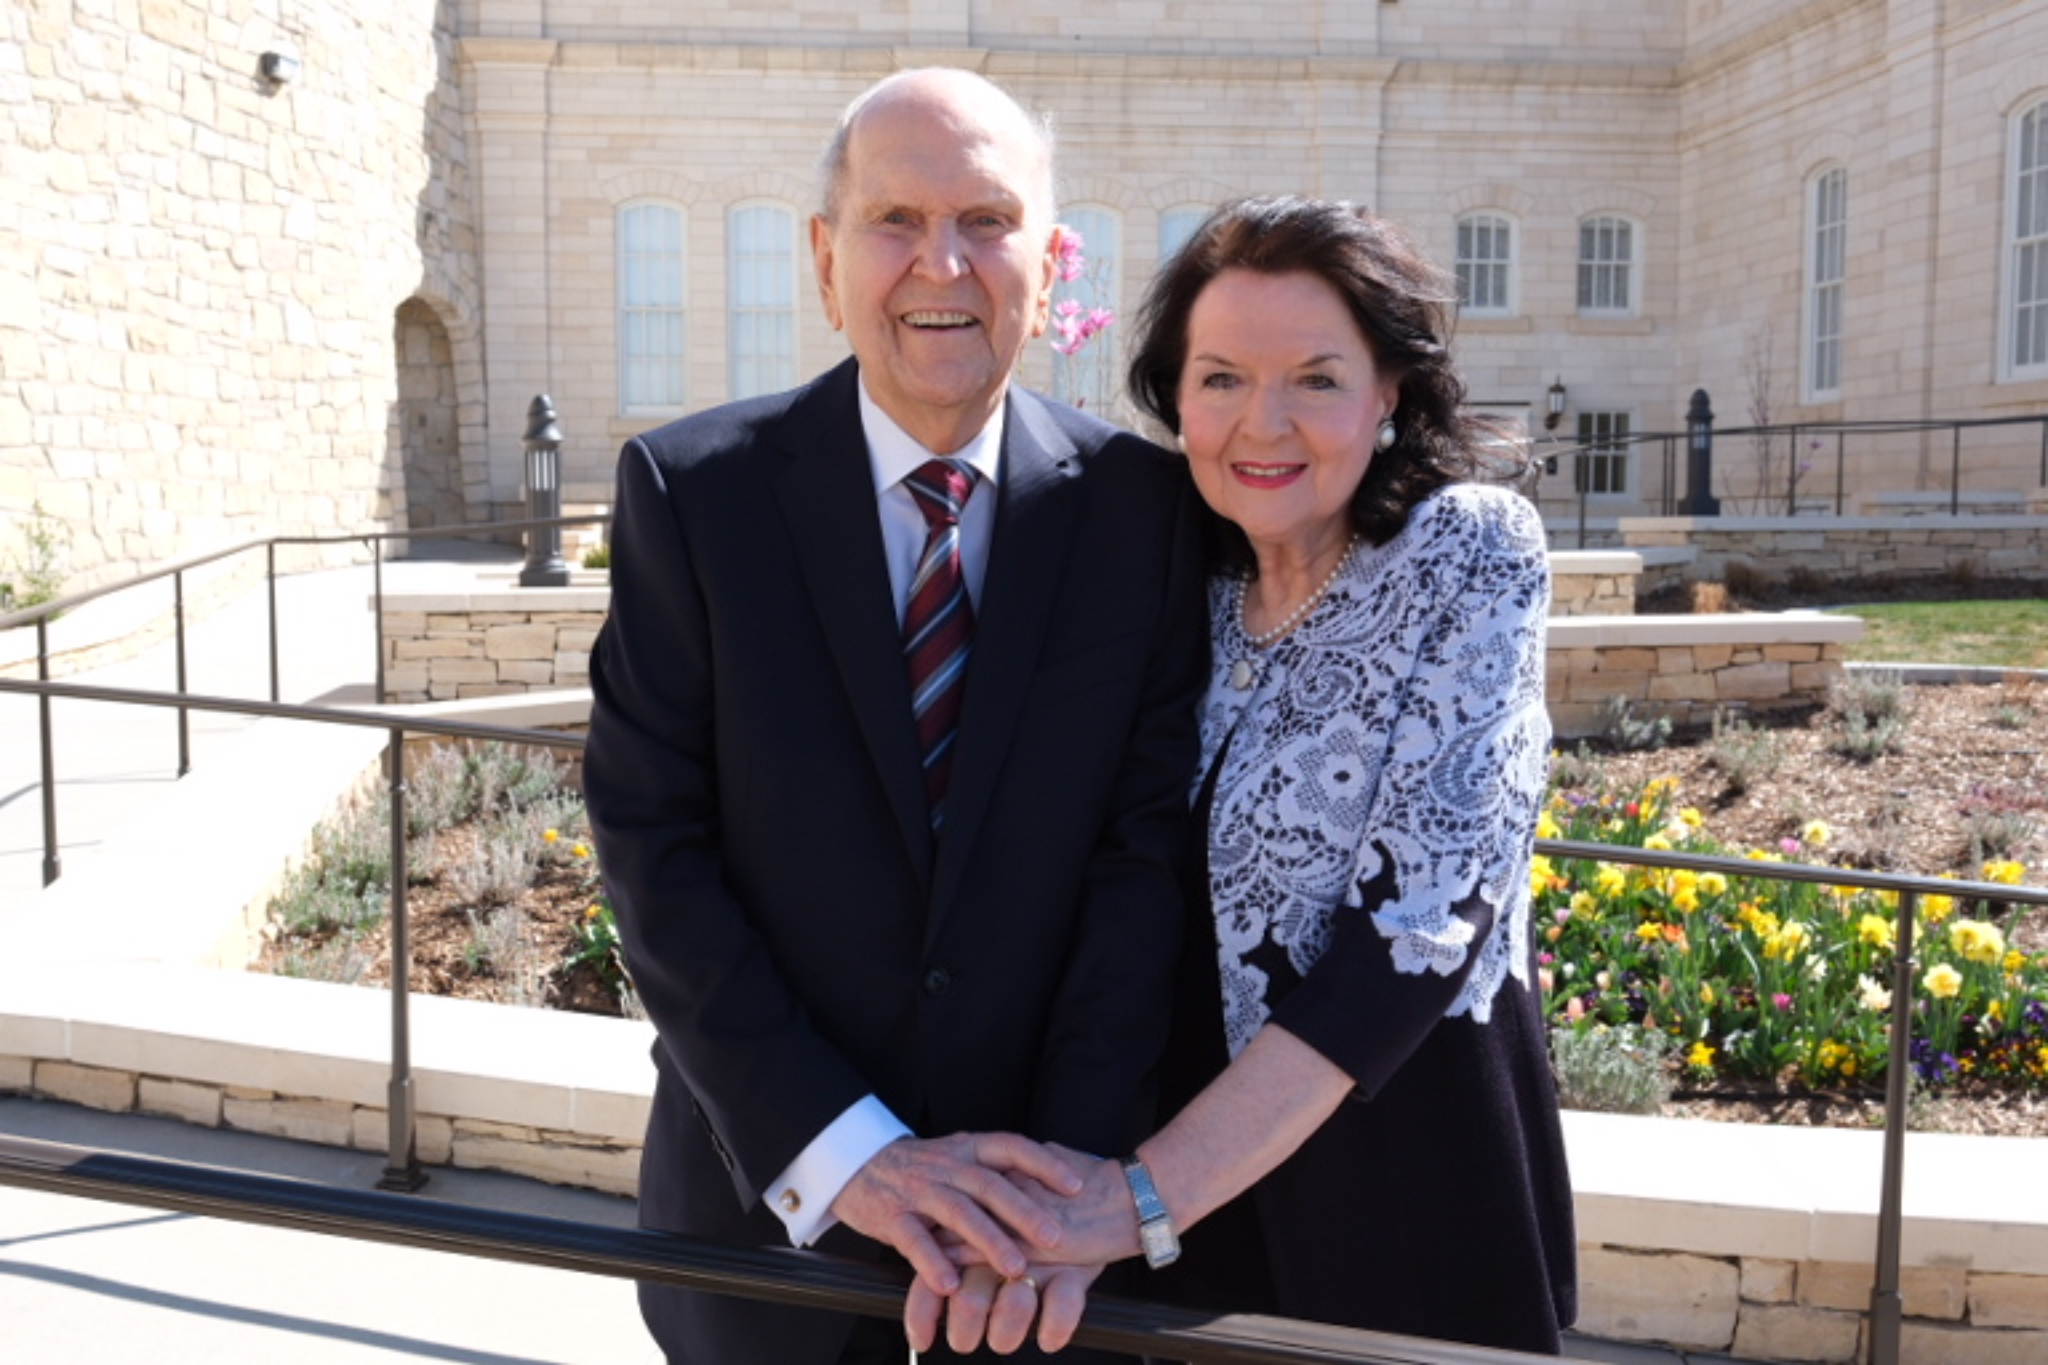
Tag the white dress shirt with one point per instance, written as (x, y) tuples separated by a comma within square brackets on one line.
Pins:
[(802, 1195)]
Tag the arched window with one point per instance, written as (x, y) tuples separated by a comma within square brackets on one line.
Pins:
[(1486, 264), (1176, 225), (760, 298), (651, 334), (1827, 235), (1607, 266), (2026, 272), (1087, 378)]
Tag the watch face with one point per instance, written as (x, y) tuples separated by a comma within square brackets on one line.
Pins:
[(1161, 1247)]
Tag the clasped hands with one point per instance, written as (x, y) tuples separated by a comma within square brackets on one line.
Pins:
[(1002, 1231)]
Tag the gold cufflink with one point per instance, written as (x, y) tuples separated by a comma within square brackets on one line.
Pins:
[(791, 1201)]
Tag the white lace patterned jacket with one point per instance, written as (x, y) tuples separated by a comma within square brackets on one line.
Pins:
[(1399, 730)]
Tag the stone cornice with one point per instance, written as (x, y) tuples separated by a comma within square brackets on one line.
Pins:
[(507, 51), (1792, 20)]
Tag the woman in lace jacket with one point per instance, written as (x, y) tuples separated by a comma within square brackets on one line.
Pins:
[(1364, 1129)]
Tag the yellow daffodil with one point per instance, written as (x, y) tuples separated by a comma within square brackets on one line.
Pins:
[(1547, 828), (1875, 930), (2003, 872), (1584, 906), (593, 912), (1610, 881), (1935, 909), (1706, 995), (1649, 932), (1788, 941), (1942, 981), (1700, 1057), (1977, 941), (1713, 883), (1815, 834), (2014, 960), (1691, 816), (1657, 843), (1685, 899), (1871, 994)]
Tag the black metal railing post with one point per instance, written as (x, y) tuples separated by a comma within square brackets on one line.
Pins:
[(1955, 470), (1887, 1311), (402, 1158), (53, 864), (1840, 463), (1699, 448), (184, 716), (377, 612), (545, 567), (270, 577)]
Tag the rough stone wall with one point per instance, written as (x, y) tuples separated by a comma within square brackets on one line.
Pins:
[(200, 268), (1915, 546)]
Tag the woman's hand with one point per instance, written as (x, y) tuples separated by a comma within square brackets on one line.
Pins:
[(1098, 1222), (989, 1308)]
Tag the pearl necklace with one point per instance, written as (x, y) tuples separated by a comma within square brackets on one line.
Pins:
[(1245, 670)]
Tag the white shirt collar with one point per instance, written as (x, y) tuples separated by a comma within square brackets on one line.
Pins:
[(894, 453)]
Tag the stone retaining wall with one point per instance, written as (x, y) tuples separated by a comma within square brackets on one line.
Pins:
[(443, 647), (1901, 546)]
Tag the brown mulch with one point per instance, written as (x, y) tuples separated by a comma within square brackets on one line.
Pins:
[(1969, 750)]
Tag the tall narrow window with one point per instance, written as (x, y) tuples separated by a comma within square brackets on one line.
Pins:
[(1087, 378), (651, 335), (1603, 458), (760, 294), (1176, 226), (1827, 217), (1607, 263), (2027, 265), (1486, 259)]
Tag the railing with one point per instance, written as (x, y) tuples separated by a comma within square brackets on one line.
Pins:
[(41, 615), (1799, 476), (797, 1279), (402, 1171)]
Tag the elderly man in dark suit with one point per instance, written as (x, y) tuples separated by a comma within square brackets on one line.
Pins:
[(889, 760)]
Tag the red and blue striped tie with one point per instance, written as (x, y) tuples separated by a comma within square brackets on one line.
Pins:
[(938, 623)]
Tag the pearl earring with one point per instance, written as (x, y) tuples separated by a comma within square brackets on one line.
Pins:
[(1180, 440), (1387, 434)]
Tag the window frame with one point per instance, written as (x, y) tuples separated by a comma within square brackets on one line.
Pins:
[(1510, 281), (1611, 447), (2024, 258), (1194, 214), (1628, 267), (1822, 294), (634, 403), (738, 313)]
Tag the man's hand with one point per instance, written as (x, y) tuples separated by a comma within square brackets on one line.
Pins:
[(960, 1184), (1000, 1311)]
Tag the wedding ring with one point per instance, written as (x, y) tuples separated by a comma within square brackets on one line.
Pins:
[(1027, 1280)]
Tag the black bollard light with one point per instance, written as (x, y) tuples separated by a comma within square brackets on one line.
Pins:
[(545, 567), (1699, 448)]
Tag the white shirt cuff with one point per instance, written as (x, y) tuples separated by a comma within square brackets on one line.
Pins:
[(802, 1195)]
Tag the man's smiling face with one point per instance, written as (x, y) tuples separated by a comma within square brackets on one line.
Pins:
[(939, 260)]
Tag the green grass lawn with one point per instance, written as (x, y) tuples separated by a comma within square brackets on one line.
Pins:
[(2008, 634)]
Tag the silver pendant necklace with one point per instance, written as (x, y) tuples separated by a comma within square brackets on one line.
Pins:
[(1245, 669)]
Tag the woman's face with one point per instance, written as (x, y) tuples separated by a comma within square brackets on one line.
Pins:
[(1279, 403)]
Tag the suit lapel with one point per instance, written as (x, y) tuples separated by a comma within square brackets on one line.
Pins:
[(1034, 522), (827, 494)]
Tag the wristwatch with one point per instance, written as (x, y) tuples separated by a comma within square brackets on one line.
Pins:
[(1156, 1237)]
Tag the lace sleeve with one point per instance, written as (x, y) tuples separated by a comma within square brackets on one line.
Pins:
[(1463, 783)]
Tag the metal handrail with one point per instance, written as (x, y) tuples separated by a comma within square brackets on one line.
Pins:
[(43, 613), (1552, 449), (797, 1279), (403, 1170)]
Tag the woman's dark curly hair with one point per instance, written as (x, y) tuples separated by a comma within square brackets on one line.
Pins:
[(1400, 302)]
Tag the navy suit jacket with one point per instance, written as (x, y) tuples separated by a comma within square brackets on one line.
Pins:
[(798, 934)]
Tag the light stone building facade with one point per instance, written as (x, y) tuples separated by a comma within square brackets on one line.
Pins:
[(232, 306)]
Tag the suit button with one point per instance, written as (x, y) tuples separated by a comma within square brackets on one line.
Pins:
[(936, 981)]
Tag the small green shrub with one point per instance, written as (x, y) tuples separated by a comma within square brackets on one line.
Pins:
[(1744, 753), (1610, 1069), (1625, 730), (1873, 693), (1578, 769), (36, 570), (345, 960), (598, 556)]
